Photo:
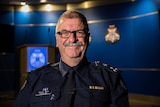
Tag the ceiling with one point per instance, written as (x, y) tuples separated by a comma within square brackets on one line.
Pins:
[(33, 2)]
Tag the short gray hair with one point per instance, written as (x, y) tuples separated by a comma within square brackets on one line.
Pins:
[(74, 14)]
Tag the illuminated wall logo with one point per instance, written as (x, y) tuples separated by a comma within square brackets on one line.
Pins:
[(112, 34), (37, 57)]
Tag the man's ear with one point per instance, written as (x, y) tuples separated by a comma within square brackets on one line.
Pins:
[(88, 39), (56, 42)]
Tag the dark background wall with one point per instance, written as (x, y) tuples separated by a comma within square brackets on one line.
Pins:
[(137, 53)]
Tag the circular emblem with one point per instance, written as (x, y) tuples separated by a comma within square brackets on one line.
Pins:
[(37, 59), (112, 34)]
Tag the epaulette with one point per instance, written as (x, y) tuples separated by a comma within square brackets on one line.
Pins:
[(110, 68), (41, 68)]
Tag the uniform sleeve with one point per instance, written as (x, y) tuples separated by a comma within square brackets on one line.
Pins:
[(117, 86), (119, 92), (23, 97)]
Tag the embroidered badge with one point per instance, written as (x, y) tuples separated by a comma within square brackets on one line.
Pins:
[(44, 91)]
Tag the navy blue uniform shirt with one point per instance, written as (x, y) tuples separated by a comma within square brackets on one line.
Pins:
[(97, 85)]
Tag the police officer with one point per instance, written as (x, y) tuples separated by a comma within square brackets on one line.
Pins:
[(94, 84)]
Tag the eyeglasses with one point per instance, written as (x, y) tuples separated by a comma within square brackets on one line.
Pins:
[(66, 33)]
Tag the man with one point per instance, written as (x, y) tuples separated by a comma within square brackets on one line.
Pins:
[(92, 85)]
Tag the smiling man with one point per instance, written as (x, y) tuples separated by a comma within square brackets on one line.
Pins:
[(72, 37), (73, 81)]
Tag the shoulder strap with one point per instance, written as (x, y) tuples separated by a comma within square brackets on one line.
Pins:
[(106, 66)]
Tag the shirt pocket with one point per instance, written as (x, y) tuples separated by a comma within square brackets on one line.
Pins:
[(82, 97), (41, 101), (92, 98), (82, 92), (100, 98), (44, 100)]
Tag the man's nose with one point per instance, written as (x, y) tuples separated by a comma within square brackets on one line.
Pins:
[(73, 36)]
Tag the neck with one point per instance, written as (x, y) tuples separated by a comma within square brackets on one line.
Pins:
[(71, 61)]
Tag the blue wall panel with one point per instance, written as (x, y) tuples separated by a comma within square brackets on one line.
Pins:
[(142, 82), (7, 17), (36, 17), (113, 54), (34, 35), (146, 42)]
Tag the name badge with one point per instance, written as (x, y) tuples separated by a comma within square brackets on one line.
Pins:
[(96, 87), (44, 91)]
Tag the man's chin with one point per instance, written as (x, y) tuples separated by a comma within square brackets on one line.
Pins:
[(75, 56)]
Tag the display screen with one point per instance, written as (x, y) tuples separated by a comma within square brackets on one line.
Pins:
[(37, 57)]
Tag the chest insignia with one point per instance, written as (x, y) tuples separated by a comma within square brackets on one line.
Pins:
[(96, 87), (44, 91)]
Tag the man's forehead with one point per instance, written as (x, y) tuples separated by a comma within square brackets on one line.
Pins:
[(72, 21), (64, 19)]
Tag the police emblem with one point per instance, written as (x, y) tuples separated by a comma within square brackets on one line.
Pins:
[(112, 34), (37, 59)]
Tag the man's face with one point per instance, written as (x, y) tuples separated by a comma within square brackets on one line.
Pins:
[(67, 46)]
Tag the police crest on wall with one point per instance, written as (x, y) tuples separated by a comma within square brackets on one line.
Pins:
[(112, 34)]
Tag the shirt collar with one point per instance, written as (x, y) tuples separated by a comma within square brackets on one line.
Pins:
[(64, 67)]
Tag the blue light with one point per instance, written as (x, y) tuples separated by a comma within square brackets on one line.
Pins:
[(37, 57)]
